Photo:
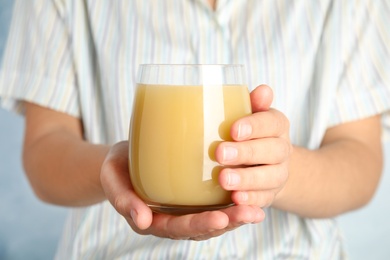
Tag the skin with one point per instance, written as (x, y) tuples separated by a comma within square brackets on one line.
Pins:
[(340, 176), (309, 183), (212, 3)]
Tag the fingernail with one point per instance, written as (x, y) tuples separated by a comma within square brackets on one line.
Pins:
[(134, 216), (244, 131), (229, 153), (233, 179)]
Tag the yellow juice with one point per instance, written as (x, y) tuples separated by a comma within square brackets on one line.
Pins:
[(173, 134)]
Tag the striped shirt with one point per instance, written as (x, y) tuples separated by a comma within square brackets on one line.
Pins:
[(327, 62)]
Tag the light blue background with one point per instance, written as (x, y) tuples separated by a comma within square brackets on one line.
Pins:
[(30, 229)]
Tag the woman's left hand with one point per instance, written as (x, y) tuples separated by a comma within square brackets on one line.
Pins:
[(261, 143)]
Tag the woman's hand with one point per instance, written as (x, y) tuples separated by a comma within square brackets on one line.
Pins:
[(115, 180), (261, 141)]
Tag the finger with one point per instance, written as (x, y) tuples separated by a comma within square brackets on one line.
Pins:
[(261, 98), (264, 177), (262, 199), (244, 214), (253, 152), (116, 183), (271, 123), (238, 215), (204, 225), (188, 226)]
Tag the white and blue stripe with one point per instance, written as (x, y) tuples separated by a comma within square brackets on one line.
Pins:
[(327, 61)]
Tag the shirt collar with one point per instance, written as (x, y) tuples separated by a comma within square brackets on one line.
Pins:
[(219, 5)]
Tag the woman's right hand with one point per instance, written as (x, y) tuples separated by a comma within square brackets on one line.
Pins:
[(115, 180)]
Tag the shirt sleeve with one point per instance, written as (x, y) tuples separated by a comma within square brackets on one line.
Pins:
[(38, 65), (363, 42)]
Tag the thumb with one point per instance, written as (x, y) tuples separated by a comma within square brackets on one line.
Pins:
[(261, 98)]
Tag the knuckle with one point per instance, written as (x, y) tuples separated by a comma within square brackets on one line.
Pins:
[(252, 180), (108, 166), (282, 123), (271, 198), (282, 150), (103, 175), (279, 180), (264, 199), (106, 173), (281, 177), (252, 153), (120, 204), (247, 153), (286, 147)]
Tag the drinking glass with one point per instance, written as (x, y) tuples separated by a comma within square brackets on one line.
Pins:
[(181, 113)]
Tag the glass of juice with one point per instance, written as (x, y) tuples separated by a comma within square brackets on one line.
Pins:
[(181, 113)]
